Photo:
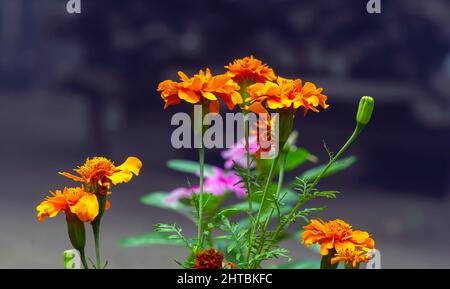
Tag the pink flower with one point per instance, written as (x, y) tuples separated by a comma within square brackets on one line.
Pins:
[(179, 193), (219, 182), (216, 183), (237, 153)]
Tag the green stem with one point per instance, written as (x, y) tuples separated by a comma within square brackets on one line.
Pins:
[(83, 258), (288, 219), (279, 186), (325, 262), (247, 179), (263, 200), (247, 148), (96, 230), (200, 201)]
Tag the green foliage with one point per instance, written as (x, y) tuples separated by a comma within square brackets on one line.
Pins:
[(149, 239), (175, 234), (338, 166), (236, 238), (295, 158), (217, 212), (186, 166), (308, 264), (157, 199)]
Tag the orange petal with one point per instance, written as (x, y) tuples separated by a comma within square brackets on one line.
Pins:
[(188, 95), (126, 170), (70, 176), (257, 107), (86, 208), (214, 107)]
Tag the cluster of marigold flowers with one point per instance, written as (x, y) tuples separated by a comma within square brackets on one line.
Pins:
[(338, 238), (248, 83), (97, 175)]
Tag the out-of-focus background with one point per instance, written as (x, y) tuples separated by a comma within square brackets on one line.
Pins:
[(73, 86)]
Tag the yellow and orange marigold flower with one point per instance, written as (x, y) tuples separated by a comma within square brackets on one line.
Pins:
[(335, 234), (351, 257), (201, 88), (70, 201), (101, 172), (211, 259), (250, 69), (288, 94)]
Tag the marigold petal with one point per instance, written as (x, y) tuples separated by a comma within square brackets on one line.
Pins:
[(51, 207), (257, 107), (72, 177), (214, 107), (86, 208), (188, 95), (126, 170)]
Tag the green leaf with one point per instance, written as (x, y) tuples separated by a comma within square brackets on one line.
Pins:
[(295, 158), (157, 199), (186, 166), (297, 265), (212, 202), (338, 166), (149, 239)]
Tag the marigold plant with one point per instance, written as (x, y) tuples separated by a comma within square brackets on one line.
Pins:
[(247, 231), (88, 202)]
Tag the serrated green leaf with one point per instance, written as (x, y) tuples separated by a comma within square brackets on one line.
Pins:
[(150, 239)]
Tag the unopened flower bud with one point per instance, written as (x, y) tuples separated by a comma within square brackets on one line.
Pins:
[(365, 110), (76, 231)]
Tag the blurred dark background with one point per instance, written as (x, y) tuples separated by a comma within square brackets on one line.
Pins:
[(79, 85)]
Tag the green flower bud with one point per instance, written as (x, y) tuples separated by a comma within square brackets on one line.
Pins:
[(365, 110), (75, 228), (286, 124)]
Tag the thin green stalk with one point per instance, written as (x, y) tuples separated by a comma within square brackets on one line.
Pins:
[(247, 149), (200, 200), (279, 186), (288, 219), (83, 258), (96, 228), (263, 200), (247, 179)]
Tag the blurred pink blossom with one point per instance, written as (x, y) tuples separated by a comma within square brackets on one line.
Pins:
[(237, 153), (216, 183)]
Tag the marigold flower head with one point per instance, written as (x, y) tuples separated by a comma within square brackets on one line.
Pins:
[(70, 201), (335, 234), (101, 172), (288, 94), (250, 69), (209, 259), (201, 88), (351, 257)]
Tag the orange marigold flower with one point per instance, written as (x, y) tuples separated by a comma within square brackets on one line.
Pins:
[(351, 257), (101, 172), (71, 200), (201, 88), (250, 69), (335, 234), (288, 93), (209, 259)]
